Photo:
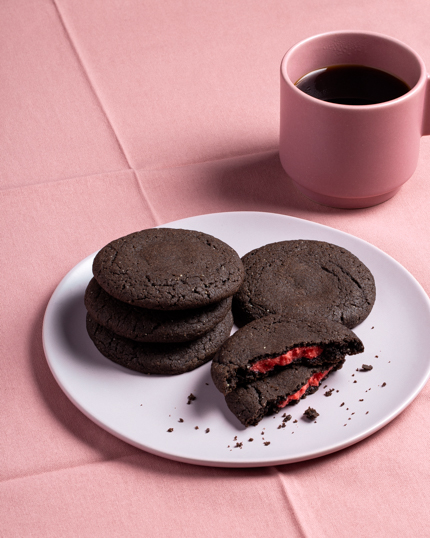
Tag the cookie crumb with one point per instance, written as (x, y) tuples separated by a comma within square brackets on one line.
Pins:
[(250, 440), (238, 445), (383, 384), (267, 443), (366, 367), (196, 427), (311, 413), (191, 398), (329, 392), (342, 404), (361, 400), (170, 430), (207, 430), (286, 417), (181, 420)]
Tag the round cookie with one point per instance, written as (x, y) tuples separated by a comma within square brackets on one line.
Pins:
[(168, 269), (145, 325), (305, 278), (267, 345), (162, 359)]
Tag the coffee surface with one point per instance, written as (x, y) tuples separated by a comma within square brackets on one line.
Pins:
[(352, 85)]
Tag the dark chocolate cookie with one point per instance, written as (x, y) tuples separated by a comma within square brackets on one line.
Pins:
[(305, 278), (145, 325), (168, 269), (269, 344), (163, 359), (266, 396)]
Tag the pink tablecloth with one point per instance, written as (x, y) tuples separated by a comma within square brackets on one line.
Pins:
[(117, 116)]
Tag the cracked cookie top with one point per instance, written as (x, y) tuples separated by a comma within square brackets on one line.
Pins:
[(305, 278), (168, 269)]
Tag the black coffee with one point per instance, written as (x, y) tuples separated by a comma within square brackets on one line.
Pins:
[(352, 85)]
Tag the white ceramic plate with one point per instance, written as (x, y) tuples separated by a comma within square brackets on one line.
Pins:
[(141, 409)]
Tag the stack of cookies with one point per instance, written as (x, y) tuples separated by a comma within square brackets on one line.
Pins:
[(296, 308), (160, 299)]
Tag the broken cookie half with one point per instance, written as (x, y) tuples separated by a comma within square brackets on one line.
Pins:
[(275, 361), (252, 402), (270, 344)]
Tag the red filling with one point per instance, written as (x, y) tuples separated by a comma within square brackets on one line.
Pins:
[(265, 365), (313, 381)]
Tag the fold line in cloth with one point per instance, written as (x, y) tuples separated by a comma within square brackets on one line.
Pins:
[(206, 161), (60, 469), (288, 499), (63, 181), (87, 76), (154, 213)]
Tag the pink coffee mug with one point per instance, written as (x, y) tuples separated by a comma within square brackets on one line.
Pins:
[(346, 155)]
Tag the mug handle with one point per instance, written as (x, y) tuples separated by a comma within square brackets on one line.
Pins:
[(425, 130)]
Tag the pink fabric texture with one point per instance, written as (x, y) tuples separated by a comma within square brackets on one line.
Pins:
[(119, 116)]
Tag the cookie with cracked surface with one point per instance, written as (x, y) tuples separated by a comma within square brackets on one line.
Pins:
[(273, 343), (145, 325), (168, 269), (159, 358), (266, 396), (305, 278)]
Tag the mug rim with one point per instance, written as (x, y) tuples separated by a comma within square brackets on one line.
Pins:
[(413, 90)]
